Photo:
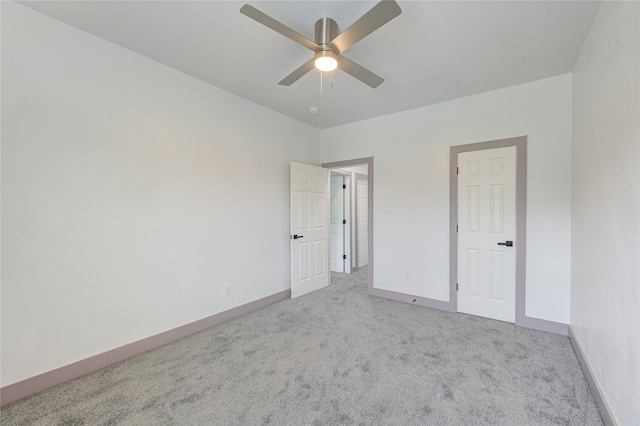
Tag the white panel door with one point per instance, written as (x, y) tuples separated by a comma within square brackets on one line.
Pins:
[(309, 228), (486, 228), (362, 213), (337, 225)]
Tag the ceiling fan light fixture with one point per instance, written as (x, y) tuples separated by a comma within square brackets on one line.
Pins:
[(326, 60)]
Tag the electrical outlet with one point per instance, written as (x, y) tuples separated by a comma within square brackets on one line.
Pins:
[(227, 289)]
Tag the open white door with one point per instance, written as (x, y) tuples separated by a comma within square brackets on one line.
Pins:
[(309, 228), (487, 233)]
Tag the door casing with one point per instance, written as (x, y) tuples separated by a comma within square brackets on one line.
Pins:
[(521, 196)]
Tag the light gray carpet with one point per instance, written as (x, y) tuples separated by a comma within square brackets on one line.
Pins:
[(336, 356)]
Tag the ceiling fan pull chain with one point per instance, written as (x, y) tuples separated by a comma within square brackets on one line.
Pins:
[(320, 83)]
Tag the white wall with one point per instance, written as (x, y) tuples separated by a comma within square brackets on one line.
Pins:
[(130, 194), (605, 289), (411, 174)]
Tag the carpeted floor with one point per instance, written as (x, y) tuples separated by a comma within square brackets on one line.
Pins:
[(333, 357)]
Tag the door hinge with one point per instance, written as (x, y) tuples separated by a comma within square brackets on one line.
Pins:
[(456, 228), (344, 256), (457, 170), (344, 186), (456, 286), (344, 221)]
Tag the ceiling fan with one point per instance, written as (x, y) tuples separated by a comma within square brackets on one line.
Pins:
[(330, 43)]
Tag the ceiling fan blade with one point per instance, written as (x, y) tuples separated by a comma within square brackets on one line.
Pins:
[(297, 74), (358, 71), (379, 15), (277, 26)]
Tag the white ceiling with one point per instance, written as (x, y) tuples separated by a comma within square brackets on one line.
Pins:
[(433, 52)]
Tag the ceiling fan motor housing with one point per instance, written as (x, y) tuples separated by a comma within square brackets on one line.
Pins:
[(326, 30)]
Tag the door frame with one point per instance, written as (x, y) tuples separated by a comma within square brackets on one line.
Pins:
[(357, 162), (520, 143), (521, 229)]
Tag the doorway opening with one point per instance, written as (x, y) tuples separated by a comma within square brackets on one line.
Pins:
[(340, 221), (357, 242)]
